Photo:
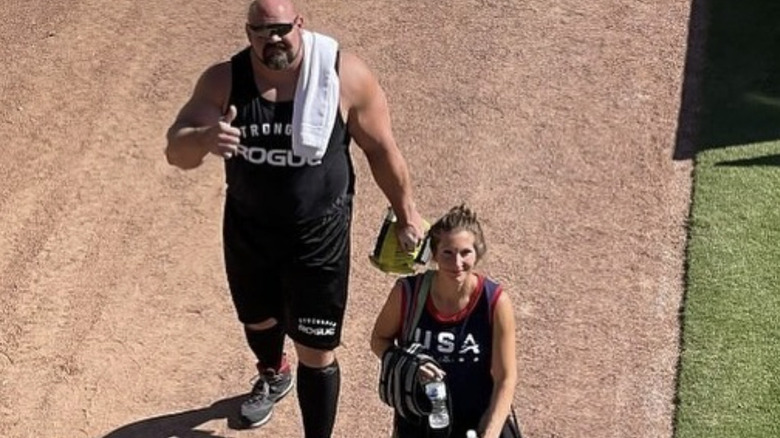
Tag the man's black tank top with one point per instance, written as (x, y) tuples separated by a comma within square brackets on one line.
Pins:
[(265, 178)]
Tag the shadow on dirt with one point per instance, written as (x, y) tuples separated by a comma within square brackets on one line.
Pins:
[(184, 424), (690, 101), (731, 85)]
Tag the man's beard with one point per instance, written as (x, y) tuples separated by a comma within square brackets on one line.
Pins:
[(277, 57)]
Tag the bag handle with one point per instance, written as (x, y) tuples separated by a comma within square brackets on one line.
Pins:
[(517, 432), (418, 305)]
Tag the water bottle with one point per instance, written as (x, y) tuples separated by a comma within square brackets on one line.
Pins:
[(437, 393)]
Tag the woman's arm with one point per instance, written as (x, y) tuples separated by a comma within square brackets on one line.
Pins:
[(388, 324), (503, 369)]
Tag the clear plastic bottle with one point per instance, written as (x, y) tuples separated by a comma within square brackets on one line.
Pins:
[(437, 393)]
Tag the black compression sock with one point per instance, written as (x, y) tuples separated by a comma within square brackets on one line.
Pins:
[(318, 396), (267, 345)]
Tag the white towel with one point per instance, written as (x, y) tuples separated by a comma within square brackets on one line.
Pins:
[(316, 96)]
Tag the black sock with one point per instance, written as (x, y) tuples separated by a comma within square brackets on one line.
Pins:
[(267, 345), (318, 397)]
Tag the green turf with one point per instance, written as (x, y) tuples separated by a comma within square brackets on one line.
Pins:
[(730, 375), (729, 380)]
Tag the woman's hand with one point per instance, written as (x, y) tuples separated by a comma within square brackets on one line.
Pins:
[(429, 372)]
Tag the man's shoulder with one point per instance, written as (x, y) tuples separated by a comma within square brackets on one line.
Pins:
[(351, 65), (357, 79), (214, 83), (219, 70), (222, 69)]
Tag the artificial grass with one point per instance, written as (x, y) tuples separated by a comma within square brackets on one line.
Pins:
[(729, 377), (729, 381)]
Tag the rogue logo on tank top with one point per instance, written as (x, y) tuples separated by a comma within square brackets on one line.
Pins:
[(275, 157), (445, 347), (271, 157)]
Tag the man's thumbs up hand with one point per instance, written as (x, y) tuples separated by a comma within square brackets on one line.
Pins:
[(224, 139)]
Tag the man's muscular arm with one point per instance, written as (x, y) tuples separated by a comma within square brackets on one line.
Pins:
[(200, 127), (369, 124)]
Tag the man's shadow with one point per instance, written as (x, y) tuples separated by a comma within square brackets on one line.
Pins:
[(183, 424)]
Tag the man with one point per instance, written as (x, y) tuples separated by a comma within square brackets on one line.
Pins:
[(287, 218)]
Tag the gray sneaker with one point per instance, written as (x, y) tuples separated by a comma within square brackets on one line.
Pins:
[(270, 387)]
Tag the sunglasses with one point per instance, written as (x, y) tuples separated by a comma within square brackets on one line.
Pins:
[(266, 31)]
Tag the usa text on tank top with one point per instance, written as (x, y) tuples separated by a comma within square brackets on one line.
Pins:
[(266, 177), (462, 344)]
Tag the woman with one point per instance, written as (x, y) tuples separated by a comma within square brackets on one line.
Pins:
[(466, 324)]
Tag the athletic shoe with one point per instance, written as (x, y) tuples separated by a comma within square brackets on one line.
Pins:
[(270, 387)]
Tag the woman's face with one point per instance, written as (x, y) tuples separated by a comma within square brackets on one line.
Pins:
[(456, 255)]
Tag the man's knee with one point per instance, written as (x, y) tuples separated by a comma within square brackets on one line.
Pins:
[(264, 325), (313, 357)]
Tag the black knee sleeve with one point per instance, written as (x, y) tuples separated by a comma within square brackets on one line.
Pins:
[(318, 397), (267, 345)]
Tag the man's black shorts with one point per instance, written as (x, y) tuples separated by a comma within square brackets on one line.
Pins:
[(297, 274)]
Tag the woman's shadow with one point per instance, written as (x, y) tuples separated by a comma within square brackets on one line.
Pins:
[(183, 424)]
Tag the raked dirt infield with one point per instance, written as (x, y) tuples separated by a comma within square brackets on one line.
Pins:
[(556, 121)]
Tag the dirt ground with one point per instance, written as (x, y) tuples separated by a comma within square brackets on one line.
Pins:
[(556, 121)]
